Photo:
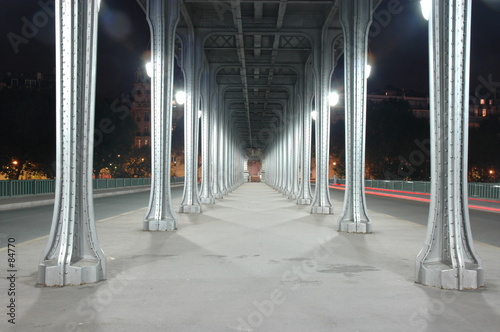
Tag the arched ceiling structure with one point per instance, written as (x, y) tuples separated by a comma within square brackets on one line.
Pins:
[(259, 49)]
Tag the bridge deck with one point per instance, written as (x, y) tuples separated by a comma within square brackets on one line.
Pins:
[(254, 260)]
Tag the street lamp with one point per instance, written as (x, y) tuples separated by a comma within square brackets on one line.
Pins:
[(149, 68), (425, 5), (180, 97), (14, 162), (333, 98), (368, 70)]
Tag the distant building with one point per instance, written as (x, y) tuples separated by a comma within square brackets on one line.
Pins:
[(418, 105), (10, 80), (481, 108), (140, 112), (141, 108)]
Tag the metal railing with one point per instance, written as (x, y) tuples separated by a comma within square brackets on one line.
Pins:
[(11, 188), (476, 190)]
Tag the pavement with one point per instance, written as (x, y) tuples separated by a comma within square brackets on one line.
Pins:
[(253, 261), (21, 202)]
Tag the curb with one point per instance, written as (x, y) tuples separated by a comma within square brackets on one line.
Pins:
[(43, 202)]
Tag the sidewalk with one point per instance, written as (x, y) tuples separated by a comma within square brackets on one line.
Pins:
[(253, 261), (20, 202)]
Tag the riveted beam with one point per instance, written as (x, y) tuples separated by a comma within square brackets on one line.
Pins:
[(448, 259), (356, 18), (162, 17), (72, 255)]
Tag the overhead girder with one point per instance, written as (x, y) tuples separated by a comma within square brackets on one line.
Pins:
[(259, 121)]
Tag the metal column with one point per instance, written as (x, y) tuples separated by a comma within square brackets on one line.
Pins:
[(215, 125), (192, 65), (162, 17), (72, 255), (323, 66), (356, 18), (220, 144), (206, 196), (448, 259), (296, 153), (305, 196)]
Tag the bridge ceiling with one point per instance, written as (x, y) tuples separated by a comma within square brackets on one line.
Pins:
[(261, 47)]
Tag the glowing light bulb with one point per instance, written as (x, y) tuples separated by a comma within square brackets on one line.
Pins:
[(425, 5), (149, 69), (333, 98), (180, 97)]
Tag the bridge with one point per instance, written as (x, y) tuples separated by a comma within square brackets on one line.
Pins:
[(254, 72), (257, 261)]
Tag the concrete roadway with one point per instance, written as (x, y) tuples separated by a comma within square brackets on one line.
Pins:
[(485, 225), (30, 223)]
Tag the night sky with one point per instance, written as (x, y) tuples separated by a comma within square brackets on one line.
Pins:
[(398, 46)]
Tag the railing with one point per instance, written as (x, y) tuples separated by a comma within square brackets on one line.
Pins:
[(120, 183), (11, 188), (476, 190)]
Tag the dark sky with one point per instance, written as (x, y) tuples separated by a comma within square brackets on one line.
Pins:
[(398, 45)]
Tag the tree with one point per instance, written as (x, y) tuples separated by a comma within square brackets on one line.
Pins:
[(138, 163), (394, 139), (484, 151)]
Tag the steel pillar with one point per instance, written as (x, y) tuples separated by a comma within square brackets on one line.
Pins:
[(448, 259), (282, 167), (215, 125), (220, 145), (206, 196), (162, 17), (192, 65), (305, 196), (295, 148), (72, 255), (356, 18), (287, 152), (323, 54), (225, 154)]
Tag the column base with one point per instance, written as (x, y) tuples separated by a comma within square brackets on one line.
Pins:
[(207, 200), (354, 227), (440, 275), (322, 210), (304, 201), (159, 225), (84, 271), (292, 196), (190, 209)]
